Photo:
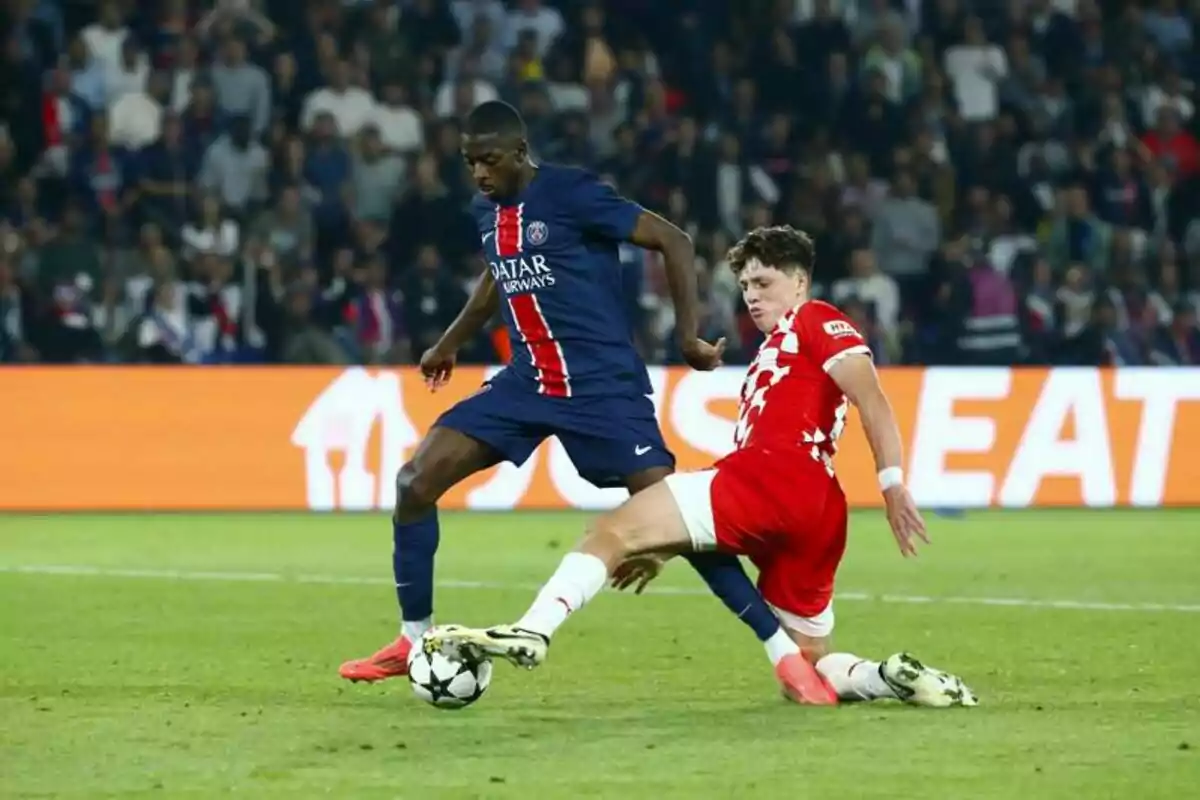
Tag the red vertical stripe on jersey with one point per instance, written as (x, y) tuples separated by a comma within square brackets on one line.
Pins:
[(509, 241), (547, 355)]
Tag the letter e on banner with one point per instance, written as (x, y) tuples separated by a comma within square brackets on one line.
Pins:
[(938, 432)]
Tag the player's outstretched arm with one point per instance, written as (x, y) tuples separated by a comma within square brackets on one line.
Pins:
[(655, 233), (855, 375), (437, 363), (480, 308)]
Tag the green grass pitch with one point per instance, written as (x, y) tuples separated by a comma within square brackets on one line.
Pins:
[(196, 656)]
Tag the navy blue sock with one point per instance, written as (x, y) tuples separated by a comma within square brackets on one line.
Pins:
[(728, 580), (413, 547)]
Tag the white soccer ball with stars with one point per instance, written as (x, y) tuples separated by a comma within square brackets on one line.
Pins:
[(445, 681)]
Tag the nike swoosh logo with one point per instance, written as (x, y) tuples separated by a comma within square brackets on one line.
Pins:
[(487, 236), (641, 450)]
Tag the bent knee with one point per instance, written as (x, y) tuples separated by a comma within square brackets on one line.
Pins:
[(416, 489)]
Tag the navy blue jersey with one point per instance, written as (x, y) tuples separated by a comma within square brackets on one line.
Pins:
[(553, 252)]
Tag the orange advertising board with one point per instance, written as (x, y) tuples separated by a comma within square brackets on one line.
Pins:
[(329, 438)]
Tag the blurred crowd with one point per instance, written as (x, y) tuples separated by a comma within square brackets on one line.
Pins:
[(987, 182)]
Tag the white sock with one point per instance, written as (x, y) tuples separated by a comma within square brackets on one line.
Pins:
[(779, 646), (854, 678), (414, 629), (578, 579)]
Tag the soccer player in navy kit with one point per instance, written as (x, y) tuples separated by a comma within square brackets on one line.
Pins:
[(549, 235)]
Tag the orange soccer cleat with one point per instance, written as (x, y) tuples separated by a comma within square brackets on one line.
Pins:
[(801, 683), (390, 662)]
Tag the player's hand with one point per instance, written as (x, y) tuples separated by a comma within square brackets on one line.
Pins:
[(436, 366), (701, 355), (637, 572), (905, 519)]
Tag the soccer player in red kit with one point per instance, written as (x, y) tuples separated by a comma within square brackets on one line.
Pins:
[(775, 499)]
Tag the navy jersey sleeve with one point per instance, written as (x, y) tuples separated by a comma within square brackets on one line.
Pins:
[(598, 208)]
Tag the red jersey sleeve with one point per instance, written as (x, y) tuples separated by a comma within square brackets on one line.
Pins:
[(827, 335)]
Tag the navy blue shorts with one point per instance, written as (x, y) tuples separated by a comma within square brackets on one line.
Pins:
[(607, 438)]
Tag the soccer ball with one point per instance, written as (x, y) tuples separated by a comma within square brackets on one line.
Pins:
[(445, 681)]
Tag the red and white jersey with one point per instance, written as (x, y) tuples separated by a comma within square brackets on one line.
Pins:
[(788, 399)]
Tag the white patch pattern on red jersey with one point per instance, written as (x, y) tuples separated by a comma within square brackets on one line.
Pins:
[(765, 371), (816, 411), (818, 438)]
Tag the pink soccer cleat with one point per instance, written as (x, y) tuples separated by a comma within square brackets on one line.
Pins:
[(390, 662), (801, 683)]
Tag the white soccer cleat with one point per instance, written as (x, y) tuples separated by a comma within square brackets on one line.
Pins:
[(919, 685), (522, 647)]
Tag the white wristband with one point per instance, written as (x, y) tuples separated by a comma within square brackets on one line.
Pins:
[(889, 477)]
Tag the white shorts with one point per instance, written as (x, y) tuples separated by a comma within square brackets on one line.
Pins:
[(693, 496), (816, 627)]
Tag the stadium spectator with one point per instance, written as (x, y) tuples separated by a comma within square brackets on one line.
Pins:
[(545, 23), (135, 118), (86, 74), (106, 37), (129, 74), (167, 170), (209, 231), (432, 299), (202, 122), (241, 87), (287, 228), (66, 118), (348, 106), (878, 292), (376, 178), (235, 168), (377, 318), (400, 126), (16, 308), (98, 178), (1177, 343), (906, 231), (976, 68), (164, 332), (186, 70)]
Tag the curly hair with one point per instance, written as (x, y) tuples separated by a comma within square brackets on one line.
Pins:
[(779, 246)]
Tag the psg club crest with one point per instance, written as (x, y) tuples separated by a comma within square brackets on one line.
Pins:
[(536, 233)]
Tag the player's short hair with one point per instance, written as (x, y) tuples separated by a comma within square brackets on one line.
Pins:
[(495, 118), (779, 246)]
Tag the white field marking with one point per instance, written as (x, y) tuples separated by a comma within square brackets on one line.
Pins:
[(74, 570)]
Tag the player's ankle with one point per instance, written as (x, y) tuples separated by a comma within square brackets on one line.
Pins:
[(605, 544), (854, 678), (579, 578), (414, 629), (779, 646)]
